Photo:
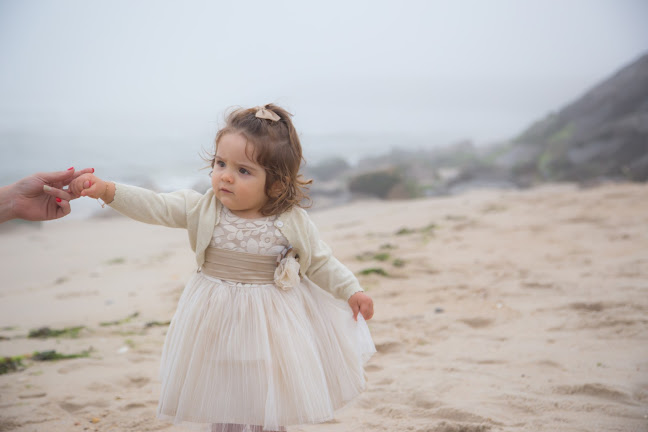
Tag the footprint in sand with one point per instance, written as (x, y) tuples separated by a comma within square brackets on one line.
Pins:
[(454, 414), (71, 368), (537, 285), (549, 363), (595, 390), (423, 401), (388, 347), (373, 368), (391, 411), (134, 405), (138, 381), (588, 307), (75, 294), (477, 322), (72, 407), (455, 427), (101, 387)]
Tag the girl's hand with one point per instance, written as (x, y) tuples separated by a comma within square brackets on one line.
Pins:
[(92, 186), (361, 302)]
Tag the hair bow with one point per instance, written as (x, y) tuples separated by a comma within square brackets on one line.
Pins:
[(264, 113)]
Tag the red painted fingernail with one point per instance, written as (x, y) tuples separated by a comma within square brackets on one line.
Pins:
[(71, 168), (58, 199), (92, 169)]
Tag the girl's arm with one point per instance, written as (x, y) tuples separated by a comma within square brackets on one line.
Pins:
[(325, 270), (329, 273), (168, 209)]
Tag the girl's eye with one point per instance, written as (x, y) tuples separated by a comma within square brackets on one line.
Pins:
[(220, 163), (244, 171)]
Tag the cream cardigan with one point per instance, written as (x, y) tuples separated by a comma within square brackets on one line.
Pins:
[(199, 214)]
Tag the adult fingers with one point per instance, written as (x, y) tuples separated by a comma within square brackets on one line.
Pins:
[(58, 193), (64, 208), (57, 176), (83, 171)]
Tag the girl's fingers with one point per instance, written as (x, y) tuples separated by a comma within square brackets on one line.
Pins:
[(367, 310), (57, 193), (355, 308), (91, 191), (83, 171)]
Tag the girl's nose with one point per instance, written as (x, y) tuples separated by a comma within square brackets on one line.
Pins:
[(227, 176)]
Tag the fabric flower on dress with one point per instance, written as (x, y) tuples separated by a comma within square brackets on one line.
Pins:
[(286, 275)]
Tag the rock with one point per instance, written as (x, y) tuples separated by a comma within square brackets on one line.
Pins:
[(604, 134)]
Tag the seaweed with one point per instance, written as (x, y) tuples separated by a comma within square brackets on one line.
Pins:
[(10, 364), (15, 363), (398, 262), (46, 332), (382, 256), (425, 230), (388, 246), (373, 270), (121, 321), (157, 323), (118, 260), (52, 355)]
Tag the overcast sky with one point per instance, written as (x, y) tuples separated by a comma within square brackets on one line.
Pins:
[(449, 70)]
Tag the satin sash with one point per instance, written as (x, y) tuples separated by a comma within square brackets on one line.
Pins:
[(239, 266)]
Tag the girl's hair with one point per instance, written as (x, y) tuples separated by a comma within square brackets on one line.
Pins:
[(276, 147)]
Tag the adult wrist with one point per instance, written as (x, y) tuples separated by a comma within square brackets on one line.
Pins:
[(7, 203)]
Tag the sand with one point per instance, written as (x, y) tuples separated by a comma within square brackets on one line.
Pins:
[(506, 311)]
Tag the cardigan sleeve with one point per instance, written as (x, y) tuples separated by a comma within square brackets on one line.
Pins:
[(326, 271), (143, 205)]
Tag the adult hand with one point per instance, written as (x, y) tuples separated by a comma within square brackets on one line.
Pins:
[(39, 197), (361, 302)]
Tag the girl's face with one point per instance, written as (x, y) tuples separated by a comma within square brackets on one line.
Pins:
[(238, 182)]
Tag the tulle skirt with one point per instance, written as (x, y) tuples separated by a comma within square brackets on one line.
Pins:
[(252, 357)]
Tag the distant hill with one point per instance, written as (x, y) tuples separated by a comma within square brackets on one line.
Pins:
[(601, 136), (604, 134)]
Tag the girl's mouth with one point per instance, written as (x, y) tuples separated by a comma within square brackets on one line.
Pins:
[(225, 190)]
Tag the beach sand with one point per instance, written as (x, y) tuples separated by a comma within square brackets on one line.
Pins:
[(499, 311)]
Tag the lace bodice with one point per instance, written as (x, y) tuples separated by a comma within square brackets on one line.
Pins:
[(258, 236)]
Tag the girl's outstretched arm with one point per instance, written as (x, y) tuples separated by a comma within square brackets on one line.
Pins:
[(168, 209)]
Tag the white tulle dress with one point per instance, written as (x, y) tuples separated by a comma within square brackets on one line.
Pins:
[(254, 357)]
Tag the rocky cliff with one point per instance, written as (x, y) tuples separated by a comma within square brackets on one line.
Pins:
[(604, 134)]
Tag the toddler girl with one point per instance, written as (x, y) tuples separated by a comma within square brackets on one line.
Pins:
[(262, 337)]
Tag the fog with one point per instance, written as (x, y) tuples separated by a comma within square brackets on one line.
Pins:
[(94, 78)]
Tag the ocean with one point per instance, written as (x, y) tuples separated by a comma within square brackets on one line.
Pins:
[(159, 163)]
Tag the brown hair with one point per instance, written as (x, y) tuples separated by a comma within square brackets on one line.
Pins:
[(276, 147)]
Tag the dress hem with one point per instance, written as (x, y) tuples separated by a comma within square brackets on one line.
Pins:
[(206, 426)]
